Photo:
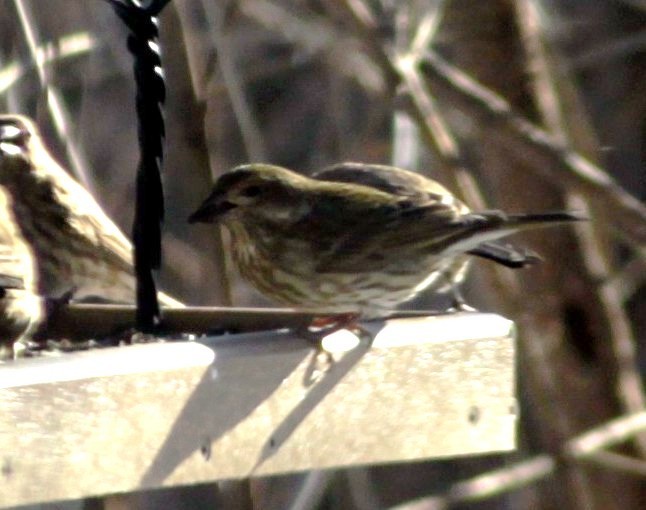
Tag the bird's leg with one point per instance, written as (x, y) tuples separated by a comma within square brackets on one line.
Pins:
[(54, 304), (458, 303), (325, 325), (317, 331), (64, 299), (328, 324), (322, 326)]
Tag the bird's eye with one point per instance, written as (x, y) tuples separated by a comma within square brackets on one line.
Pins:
[(251, 191)]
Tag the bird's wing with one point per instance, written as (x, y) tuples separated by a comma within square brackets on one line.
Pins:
[(86, 219), (361, 233), (90, 222), (92, 227), (427, 199), (80, 215), (83, 224), (365, 249)]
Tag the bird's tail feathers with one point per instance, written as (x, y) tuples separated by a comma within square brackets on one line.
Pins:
[(492, 225), (543, 219)]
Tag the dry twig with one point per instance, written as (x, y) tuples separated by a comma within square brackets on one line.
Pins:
[(587, 447)]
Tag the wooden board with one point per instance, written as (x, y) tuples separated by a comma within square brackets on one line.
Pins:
[(122, 419)]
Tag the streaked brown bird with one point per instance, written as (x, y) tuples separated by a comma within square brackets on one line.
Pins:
[(357, 238), (77, 250)]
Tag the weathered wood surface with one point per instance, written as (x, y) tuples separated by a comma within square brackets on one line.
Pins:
[(122, 419)]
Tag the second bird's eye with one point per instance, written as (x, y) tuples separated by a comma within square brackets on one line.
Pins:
[(252, 191)]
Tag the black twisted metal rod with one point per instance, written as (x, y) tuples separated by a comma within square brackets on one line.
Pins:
[(140, 18)]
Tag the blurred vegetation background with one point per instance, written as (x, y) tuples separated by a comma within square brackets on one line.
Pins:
[(306, 83)]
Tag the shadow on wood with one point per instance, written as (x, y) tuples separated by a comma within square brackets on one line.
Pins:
[(166, 414)]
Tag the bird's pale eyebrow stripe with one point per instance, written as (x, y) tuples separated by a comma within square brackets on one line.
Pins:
[(9, 132), (10, 148)]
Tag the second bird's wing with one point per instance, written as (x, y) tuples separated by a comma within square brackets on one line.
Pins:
[(425, 197), (86, 220), (358, 246), (361, 233)]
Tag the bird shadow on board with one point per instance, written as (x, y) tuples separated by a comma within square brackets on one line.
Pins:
[(318, 391), (219, 402)]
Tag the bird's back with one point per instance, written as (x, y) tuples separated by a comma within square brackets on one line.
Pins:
[(77, 248)]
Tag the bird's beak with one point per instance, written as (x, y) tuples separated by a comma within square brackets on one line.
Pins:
[(211, 209)]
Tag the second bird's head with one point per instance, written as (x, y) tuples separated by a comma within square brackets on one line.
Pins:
[(255, 190)]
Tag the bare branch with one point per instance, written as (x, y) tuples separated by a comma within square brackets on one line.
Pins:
[(249, 128), (55, 101), (619, 462), (570, 127), (587, 447), (548, 158), (606, 435), (503, 480)]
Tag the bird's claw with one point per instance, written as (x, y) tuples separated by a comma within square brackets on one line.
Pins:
[(53, 304), (461, 306), (322, 327), (458, 303)]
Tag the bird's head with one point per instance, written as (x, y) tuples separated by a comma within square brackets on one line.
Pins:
[(23, 153), (257, 190)]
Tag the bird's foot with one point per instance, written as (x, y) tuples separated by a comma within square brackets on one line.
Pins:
[(460, 305), (322, 327), (329, 335), (53, 304), (328, 324)]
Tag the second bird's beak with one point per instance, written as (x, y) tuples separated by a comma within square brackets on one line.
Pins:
[(211, 210)]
